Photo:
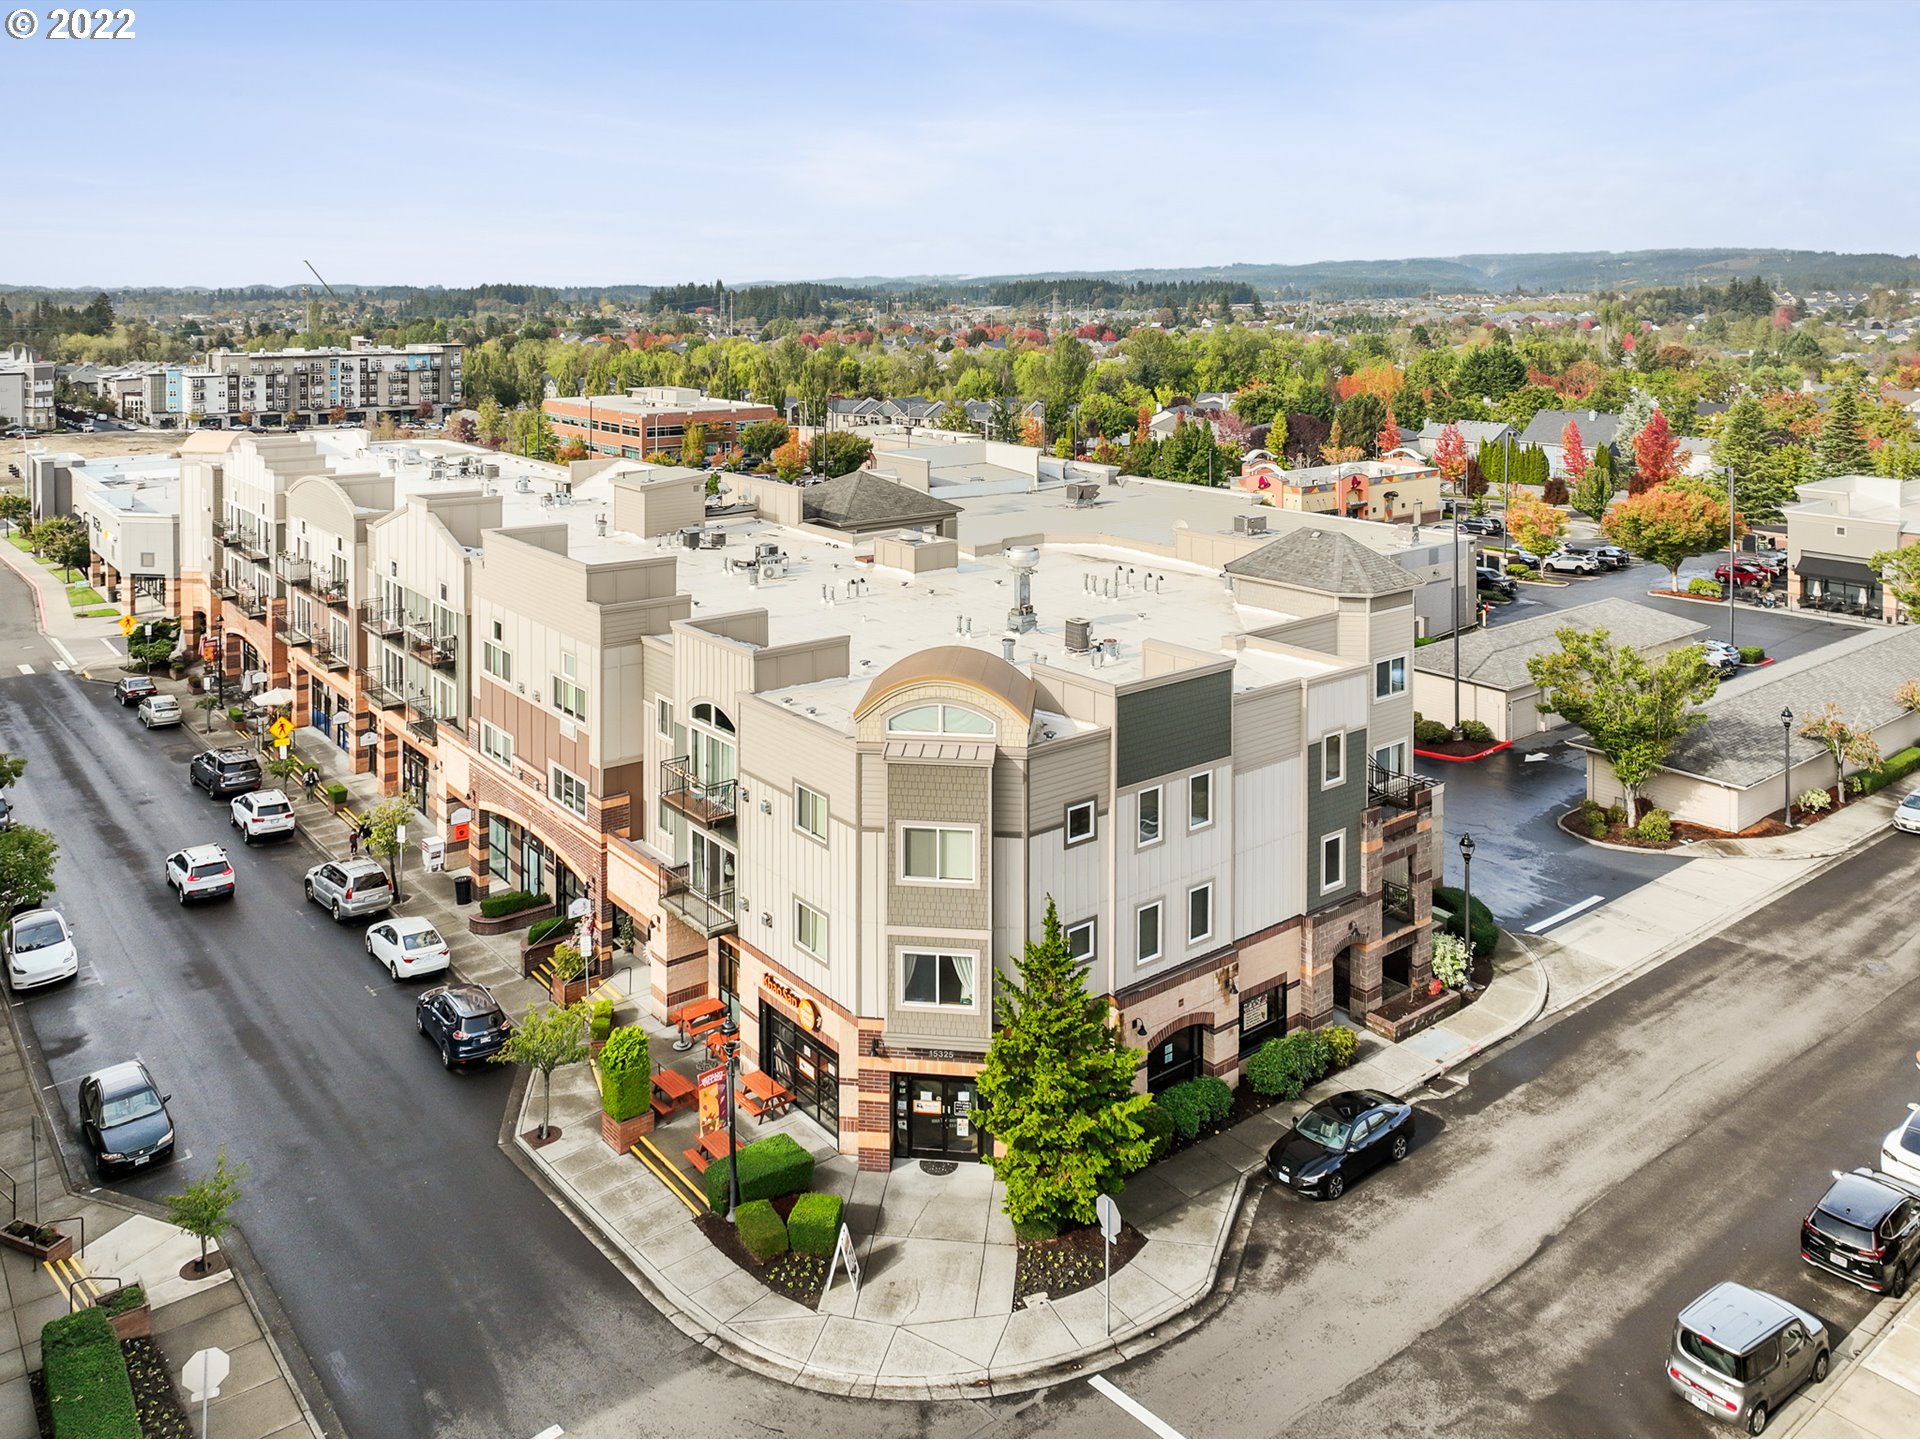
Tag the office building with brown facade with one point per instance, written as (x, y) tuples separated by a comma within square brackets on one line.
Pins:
[(649, 419)]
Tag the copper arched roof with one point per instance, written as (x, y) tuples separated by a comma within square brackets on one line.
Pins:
[(960, 664)]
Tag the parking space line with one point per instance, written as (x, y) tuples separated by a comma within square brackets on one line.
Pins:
[(1567, 914), (24, 669), (1134, 1408)]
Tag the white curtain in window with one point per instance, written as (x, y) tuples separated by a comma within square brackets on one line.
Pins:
[(956, 855)]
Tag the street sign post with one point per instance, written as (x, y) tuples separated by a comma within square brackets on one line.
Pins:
[(202, 1374), (281, 730), (127, 623), (1108, 1211)]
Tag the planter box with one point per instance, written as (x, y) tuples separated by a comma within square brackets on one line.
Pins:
[(1417, 1018), (621, 1134), (505, 924), (60, 1249), (575, 990), (134, 1324)]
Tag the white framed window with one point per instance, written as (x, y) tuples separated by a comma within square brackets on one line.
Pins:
[(1146, 933), (810, 812), (937, 979), (569, 789), (810, 929), (496, 744), (940, 720), (1080, 822), (1392, 758), (569, 698), (1080, 942), (1148, 816), (937, 854), (1333, 760), (1199, 914), (497, 660), (663, 716), (1390, 677), (1333, 861), (1200, 800)]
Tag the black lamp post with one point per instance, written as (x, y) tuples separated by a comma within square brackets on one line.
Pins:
[(219, 661), (1786, 774), (731, 1029), (1466, 924)]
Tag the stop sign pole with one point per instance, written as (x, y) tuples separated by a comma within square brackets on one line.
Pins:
[(1108, 1209)]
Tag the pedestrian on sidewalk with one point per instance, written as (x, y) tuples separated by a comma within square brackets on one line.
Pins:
[(311, 780), (353, 841)]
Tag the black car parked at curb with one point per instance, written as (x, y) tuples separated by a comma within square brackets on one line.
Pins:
[(1339, 1140), (224, 773), (132, 689), (123, 1119), (464, 1022), (1866, 1229)]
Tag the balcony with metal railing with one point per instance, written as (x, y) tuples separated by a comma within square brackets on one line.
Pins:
[(379, 693), (423, 720), (707, 802), (1396, 791), (330, 587), (250, 543), (439, 651), (331, 658), (711, 912), (292, 569), (253, 602), (382, 619), (1396, 909), (293, 635)]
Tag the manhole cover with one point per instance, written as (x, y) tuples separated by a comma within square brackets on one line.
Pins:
[(938, 1167)]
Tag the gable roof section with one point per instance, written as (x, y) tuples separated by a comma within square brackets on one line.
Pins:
[(1597, 427), (862, 500), (1322, 560), (1497, 656)]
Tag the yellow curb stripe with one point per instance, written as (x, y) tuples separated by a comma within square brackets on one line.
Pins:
[(668, 1174)]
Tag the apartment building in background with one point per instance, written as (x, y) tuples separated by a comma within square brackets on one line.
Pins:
[(649, 419), (832, 752), (26, 389), (272, 387)]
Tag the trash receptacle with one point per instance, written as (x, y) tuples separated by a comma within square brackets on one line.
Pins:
[(463, 888)]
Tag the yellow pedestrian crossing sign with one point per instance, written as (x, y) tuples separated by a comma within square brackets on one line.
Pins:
[(281, 729), (127, 623)]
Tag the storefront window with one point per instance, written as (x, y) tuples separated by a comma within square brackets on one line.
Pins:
[(798, 1060), (1181, 1056), (499, 859)]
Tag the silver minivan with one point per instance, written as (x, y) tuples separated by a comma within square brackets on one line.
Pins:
[(350, 887), (1739, 1354)]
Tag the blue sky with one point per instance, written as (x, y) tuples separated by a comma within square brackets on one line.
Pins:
[(599, 143)]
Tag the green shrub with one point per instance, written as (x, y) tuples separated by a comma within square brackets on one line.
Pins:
[(509, 902), (1485, 933), (1476, 731), (127, 1297), (1655, 825), (1701, 585), (601, 1024), (1593, 812), (1184, 1108), (1597, 827), (1343, 1046), (1895, 767), (777, 1165), (1031, 1230), (1430, 732), (760, 1229), (1157, 1125), (88, 1392), (626, 1073), (234, 712), (1420, 640), (546, 929), (1285, 1066), (1812, 801), (814, 1225), (1752, 654), (1617, 813), (1519, 572)]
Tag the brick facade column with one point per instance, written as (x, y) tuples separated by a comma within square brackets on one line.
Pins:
[(874, 1135)]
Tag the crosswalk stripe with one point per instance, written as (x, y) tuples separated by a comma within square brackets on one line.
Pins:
[(24, 669)]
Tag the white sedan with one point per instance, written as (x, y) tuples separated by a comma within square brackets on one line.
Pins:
[(1900, 1151), (261, 812), (39, 949), (408, 946), (1906, 815)]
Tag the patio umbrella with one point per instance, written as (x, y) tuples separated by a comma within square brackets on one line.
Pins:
[(273, 699)]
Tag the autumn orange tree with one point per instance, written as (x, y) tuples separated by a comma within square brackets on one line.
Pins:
[(1450, 456), (1574, 461), (1535, 524), (1389, 436), (1653, 456), (1670, 525), (790, 459)]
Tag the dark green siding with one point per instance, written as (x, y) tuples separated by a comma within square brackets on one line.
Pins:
[(1182, 725), (1334, 808)]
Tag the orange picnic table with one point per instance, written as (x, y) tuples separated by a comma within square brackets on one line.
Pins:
[(674, 1090), (713, 1145), (763, 1095)]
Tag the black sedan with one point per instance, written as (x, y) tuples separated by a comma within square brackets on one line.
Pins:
[(132, 689), (464, 1022), (123, 1119), (1339, 1140)]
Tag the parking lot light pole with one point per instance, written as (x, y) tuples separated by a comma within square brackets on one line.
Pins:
[(732, 1031), (1456, 622), (1786, 775), (1733, 574), (1466, 924)]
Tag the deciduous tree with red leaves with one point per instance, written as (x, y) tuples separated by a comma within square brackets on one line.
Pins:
[(1389, 436), (1575, 460), (1450, 455), (1653, 456)]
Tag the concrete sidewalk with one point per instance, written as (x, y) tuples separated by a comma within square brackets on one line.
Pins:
[(88, 642), (935, 1316), (1873, 1388)]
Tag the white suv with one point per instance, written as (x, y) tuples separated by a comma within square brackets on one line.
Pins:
[(261, 812), (200, 872), (1575, 561)]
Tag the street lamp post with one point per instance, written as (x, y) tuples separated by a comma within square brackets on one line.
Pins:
[(1456, 623), (1466, 924), (1786, 774), (732, 1031), (219, 662), (1733, 575)]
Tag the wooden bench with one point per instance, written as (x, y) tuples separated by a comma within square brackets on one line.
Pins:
[(752, 1106), (697, 1158)]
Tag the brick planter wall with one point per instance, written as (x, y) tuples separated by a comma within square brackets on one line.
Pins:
[(502, 924), (1416, 1020), (621, 1134)]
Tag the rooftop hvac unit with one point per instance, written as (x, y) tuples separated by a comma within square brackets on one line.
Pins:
[(1081, 495), (490, 469), (1079, 636), (690, 538), (714, 539), (1249, 524), (771, 567), (522, 485), (764, 548)]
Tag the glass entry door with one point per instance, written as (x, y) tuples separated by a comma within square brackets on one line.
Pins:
[(933, 1118)]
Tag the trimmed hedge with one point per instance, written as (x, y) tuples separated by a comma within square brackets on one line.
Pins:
[(1288, 1064), (1895, 767), (1486, 934), (510, 902), (777, 1165), (601, 1024), (626, 1074), (761, 1229), (814, 1224), (1700, 585), (336, 794), (1752, 654), (88, 1391), (1193, 1103), (546, 929)]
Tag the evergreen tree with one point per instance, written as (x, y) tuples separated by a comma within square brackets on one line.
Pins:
[(1056, 1090), (1843, 449)]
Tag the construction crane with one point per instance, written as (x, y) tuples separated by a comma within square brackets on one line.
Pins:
[(323, 280)]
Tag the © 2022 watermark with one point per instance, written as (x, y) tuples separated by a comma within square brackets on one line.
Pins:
[(62, 24)]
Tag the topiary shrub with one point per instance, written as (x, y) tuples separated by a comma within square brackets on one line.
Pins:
[(777, 1165), (626, 1074), (1701, 585), (1655, 825), (511, 902), (336, 794), (1477, 731), (88, 1390), (1486, 934), (1752, 654), (760, 1229), (1430, 732), (1157, 1125), (1343, 1046), (814, 1225), (601, 1025)]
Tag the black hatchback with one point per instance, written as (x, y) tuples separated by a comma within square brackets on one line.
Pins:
[(1866, 1229), (464, 1022), (1339, 1140)]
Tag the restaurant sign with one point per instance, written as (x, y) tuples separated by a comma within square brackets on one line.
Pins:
[(805, 1011)]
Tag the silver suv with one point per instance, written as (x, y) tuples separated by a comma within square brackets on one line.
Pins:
[(1739, 1354), (350, 887)]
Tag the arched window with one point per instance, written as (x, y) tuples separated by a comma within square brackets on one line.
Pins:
[(940, 720), (713, 716)]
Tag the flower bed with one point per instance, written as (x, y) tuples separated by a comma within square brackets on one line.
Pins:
[(798, 1275), (1411, 1012), (1069, 1262)]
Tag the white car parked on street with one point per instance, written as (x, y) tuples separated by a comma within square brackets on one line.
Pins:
[(261, 812), (1906, 815), (159, 710), (39, 948), (408, 946)]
